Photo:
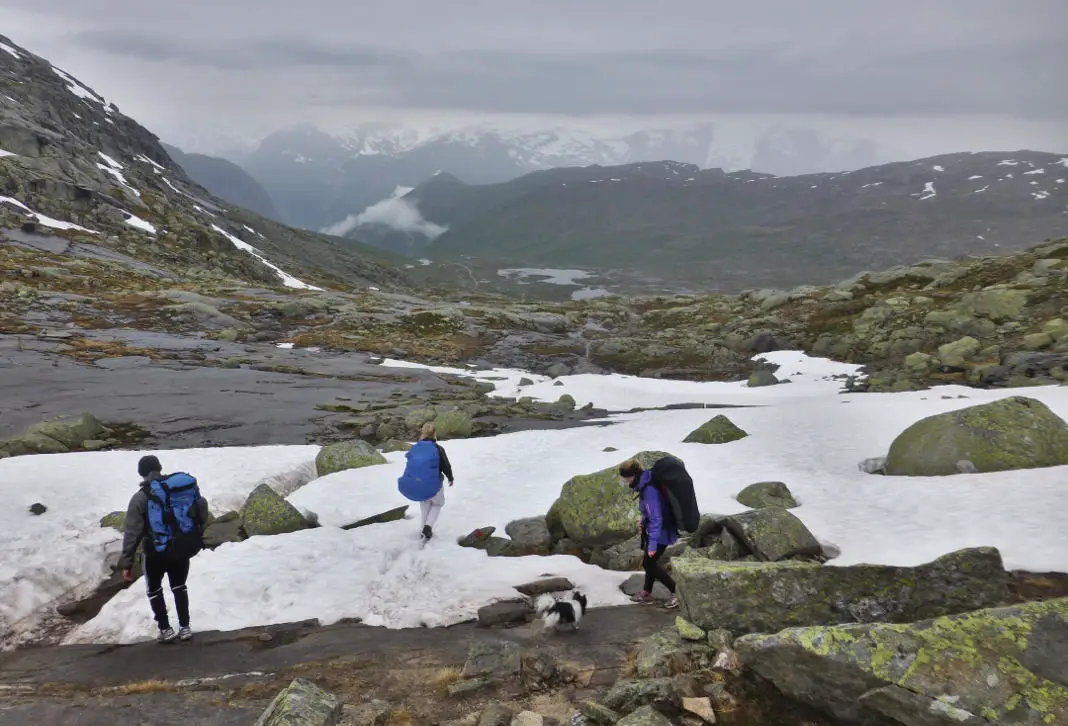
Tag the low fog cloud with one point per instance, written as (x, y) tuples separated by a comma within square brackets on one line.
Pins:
[(394, 212)]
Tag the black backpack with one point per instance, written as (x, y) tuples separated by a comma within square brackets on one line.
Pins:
[(670, 477)]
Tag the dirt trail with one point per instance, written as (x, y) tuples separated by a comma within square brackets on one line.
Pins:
[(227, 678)]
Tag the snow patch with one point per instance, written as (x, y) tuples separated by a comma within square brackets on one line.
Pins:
[(1008, 162), (142, 224), (936, 167), (976, 176), (159, 169), (114, 169), (79, 90), (287, 279), (44, 218), (1035, 171), (8, 49), (6, 153), (1040, 194), (928, 191), (799, 433)]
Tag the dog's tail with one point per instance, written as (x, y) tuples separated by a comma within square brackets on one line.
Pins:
[(580, 599), (544, 603)]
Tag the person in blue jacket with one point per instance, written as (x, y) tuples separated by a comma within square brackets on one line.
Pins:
[(657, 533), (424, 477)]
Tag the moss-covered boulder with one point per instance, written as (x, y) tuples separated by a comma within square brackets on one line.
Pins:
[(266, 513), (1012, 433), (115, 520), (765, 597), (302, 703), (773, 534), (1004, 665), (959, 352), (395, 445), (767, 494), (72, 433), (598, 508), (718, 430), (223, 529), (346, 455), (762, 377), (453, 424)]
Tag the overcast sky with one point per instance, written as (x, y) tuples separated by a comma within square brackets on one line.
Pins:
[(925, 73)]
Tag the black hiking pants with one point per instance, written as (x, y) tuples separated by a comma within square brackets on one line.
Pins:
[(176, 569), (654, 572)]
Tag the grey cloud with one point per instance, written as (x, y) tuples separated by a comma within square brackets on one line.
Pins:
[(827, 57)]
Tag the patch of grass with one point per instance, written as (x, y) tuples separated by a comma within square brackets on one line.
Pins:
[(629, 669), (445, 678), (144, 687), (400, 717)]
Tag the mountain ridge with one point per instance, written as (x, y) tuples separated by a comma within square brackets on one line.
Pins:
[(746, 229), (226, 180), (74, 166)]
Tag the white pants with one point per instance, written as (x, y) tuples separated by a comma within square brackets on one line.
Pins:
[(431, 508)]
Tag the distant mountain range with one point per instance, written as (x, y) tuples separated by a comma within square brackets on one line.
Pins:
[(226, 180), (736, 230), (318, 180)]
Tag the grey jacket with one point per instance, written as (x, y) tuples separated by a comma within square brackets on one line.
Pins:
[(136, 528)]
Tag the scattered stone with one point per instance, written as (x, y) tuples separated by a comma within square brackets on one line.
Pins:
[(645, 716), (393, 515), (721, 698), (762, 377), (609, 449), (773, 534), (267, 513), (634, 584), (542, 587), (470, 686), (531, 535), (874, 465), (346, 455), (700, 707), (453, 425), (505, 612), (115, 520), (223, 529), (1003, 665), (628, 695), (37, 509), (720, 639), (597, 509), (1011, 433), (687, 630), (527, 718), (496, 714), (373, 713), (302, 703), (394, 445), (496, 658), (597, 714), (959, 352), (767, 494), (525, 381), (478, 538), (718, 430), (660, 656), (56, 437), (735, 595)]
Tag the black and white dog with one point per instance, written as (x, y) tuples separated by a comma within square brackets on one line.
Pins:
[(556, 613)]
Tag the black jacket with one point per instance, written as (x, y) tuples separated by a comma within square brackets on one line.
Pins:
[(444, 467)]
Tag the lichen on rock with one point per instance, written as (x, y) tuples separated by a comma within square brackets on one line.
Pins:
[(346, 455)]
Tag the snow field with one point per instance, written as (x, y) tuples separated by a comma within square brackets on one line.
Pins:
[(804, 433)]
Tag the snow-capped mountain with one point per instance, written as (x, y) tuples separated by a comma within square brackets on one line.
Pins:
[(318, 179)]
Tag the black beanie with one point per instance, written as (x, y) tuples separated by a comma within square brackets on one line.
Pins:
[(147, 465)]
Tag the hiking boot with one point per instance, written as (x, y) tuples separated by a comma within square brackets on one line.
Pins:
[(427, 532), (184, 633), (167, 635), (644, 597)]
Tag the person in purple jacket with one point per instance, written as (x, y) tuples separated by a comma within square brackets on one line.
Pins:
[(657, 533)]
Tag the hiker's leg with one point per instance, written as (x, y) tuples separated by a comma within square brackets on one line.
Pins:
[(154, 568), (654, 572), (177, 574), (436, 503), (424, 509)]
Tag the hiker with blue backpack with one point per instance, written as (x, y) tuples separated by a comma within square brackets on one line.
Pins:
[(667, 503), (424, 477), (168, 514)]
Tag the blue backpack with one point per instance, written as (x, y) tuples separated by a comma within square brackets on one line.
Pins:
[(173, 516), (421, 479)]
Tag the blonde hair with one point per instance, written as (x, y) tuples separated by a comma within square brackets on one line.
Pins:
[(629, 468), (430, 431)]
